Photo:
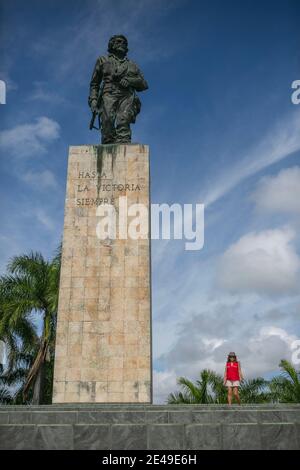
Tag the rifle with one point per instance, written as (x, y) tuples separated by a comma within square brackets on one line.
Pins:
[(95, 112)]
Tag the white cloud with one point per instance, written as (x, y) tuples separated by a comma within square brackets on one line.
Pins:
[(164, 382), (11, 85), (264, 262), (259, 345), (41, 180), (45, 219), (266, 349), (83, 44), (268, 331), (213, 343), (279, 143), (260, 270), (41, 92), (280, 193), (30, 139)]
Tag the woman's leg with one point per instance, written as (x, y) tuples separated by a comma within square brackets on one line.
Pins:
[(229, 396), (236, 394)]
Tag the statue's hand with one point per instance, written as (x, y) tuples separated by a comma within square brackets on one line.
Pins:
[(93, 105), (124, 83)]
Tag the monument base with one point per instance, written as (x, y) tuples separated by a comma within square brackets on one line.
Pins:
[(103, 339)]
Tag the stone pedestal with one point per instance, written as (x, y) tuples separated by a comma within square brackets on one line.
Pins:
[(103, 342)]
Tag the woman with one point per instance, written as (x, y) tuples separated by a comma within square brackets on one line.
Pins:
[(232, 377)]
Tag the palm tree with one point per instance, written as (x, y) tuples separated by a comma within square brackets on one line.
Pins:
[(254, 391), (20, 339), (209, 389), (13, 379), (29, 290), (5, 394), (285, 388)]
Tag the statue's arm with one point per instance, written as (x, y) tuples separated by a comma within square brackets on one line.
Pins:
[(96, 81)]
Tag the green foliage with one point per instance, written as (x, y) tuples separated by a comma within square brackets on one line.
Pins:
[(210, 389), (285, 388), (254, 391), (28, 296)]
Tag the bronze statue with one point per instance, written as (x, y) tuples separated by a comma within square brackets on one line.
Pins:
[(113, 87)]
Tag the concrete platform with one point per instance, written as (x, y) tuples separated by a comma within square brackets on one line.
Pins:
[(137, 426)]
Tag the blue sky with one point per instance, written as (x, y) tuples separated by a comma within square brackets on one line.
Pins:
[(222, 131)]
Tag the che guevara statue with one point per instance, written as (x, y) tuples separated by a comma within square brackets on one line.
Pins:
[(113, 87)]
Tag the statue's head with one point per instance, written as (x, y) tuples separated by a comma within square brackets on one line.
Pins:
[(118, 44)]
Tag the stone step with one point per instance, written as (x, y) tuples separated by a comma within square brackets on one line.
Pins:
[(285, 436), (181, 427), (172, 416), (148, 407)]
